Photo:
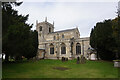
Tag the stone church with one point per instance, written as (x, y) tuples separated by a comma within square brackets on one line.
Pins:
[(58, 44)]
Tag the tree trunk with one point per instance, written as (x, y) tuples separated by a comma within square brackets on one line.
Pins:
[(97, 55), (2, 57)]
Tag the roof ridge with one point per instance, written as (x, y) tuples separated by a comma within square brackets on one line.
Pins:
[(64, 30)]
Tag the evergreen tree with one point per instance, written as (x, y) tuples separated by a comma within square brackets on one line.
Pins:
[(116, 35), (102, 40), (18, 39)]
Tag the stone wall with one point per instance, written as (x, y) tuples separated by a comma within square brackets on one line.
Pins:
[(56, 39), (57, 48)]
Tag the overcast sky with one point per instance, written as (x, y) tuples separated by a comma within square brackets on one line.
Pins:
[(68, 15)]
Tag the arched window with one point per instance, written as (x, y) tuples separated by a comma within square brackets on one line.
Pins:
[(40, 28), (63, 48), (78, 48), (51, 49), (49, 29)]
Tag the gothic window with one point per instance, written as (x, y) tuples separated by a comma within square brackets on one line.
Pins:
[(62, 35), (51, 49), (40, 28), (78, 48), (49, 29), (63, 48), (54, 37)]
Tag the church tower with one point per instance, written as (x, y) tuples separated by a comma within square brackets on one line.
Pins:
[(44, 28)]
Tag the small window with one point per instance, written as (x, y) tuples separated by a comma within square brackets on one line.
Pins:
[(63, 36), (49, 29), (40, 28)]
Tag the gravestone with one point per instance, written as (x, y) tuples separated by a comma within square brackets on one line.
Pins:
[(82, 60), (58, 58), (117, 63), (78, 60), (64, 59)]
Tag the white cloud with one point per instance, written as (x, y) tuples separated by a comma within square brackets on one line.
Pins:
[(69, 14)]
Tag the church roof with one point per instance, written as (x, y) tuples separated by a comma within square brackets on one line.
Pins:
[(67, 30)]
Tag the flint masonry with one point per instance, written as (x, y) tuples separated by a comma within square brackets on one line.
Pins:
[(65, 43)]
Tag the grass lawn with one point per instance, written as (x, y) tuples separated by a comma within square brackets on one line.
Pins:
[(50, 69)]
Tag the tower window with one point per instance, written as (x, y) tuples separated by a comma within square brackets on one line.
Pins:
[(40, 28), (49, 29), (63, 36)]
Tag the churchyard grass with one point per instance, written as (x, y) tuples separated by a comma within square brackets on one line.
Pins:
[(46, 69)]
